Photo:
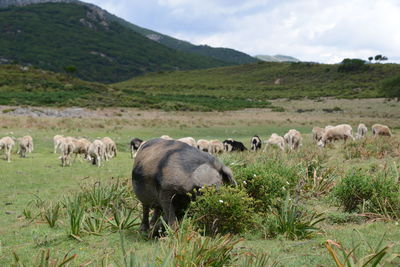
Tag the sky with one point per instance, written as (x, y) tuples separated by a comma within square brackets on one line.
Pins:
[(325, 31)]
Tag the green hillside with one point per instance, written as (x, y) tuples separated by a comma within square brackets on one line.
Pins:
[(55, 35), (261, 81), (224, 54), (27, 86)]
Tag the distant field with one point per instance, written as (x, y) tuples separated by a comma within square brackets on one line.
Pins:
[(41, 176), (258, 83)]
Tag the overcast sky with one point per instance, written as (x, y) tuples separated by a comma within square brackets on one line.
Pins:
[(311, 30)]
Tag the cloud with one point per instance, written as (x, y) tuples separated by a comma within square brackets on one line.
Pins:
[(313, 30)]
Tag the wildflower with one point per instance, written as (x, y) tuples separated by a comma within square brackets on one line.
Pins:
[(254, 175), (244, 182), (221, 201)]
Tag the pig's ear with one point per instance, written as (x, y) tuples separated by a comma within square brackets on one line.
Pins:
[(227, 176)]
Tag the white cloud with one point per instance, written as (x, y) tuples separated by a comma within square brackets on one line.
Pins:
[(314, 30)]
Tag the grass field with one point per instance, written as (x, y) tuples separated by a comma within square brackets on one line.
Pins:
[(40, 176)]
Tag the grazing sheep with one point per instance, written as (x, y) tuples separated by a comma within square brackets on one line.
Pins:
[(342, 131), (232, 145), (328, 127), (275, 140), (7, 144), (97, 151), (293, 139), (380, 130), (81, 146), (57, 139), (110, 148), (166, 137), (134, 145), (165, 171), (67, 149), (25, 145), (317, 133), (203, 145), (361, 131), (255, 143), (188, 140), (216, 147)]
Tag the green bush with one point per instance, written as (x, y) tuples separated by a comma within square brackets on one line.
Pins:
[(292, 221), (391, 87), (350, 65), (371, 148), (377, 192), (226, 210), (267, 182)]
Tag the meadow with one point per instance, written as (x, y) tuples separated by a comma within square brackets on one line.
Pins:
[(32, 187)]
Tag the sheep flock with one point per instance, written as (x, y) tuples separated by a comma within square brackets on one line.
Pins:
[(104, 149)]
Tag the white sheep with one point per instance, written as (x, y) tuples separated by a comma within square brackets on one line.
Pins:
[(293, 139), (110, 148), (342, 131), (361, 131), (25, 145), (67, 149), (188, 140), (381, 130), (317, 133), (216, 147), (7, 144), (57, 139), (275, 140), (166, 137), (203, 145), (96, 152)]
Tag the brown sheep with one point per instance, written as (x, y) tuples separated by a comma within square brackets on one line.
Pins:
[(381, 130)]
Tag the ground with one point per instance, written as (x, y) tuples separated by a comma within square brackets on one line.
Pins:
[(41, 176)]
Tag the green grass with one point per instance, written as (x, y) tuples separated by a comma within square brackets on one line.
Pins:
[(254, 84), (40, 175)]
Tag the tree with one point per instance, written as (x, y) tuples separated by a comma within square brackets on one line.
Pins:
[(370, 59), (391, 87), (70, 70), (349, 65), (378, 58)]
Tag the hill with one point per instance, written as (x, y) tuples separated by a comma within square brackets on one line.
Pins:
[(258, 82), (277, 58), (52, 36), (21, 85), (224, 54)]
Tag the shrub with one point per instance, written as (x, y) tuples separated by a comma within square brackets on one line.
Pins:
[(44, 259), (364, 192), (227, 210), (351, 65), (267, 182), (292, 221), (189, 248), (391, 87), (371, 147)]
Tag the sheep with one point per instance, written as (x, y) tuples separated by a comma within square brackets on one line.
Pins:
[(380, 130), (7, 144), (25, 145), (166, 137), (57, 139), (67, 149), (96, 152), (361, 131), (293, 139), (317, 133), (81, 146), (216, 147), (232, 145), (255, 143), (203, 145), (134, 145), (188, 140), (275, 140), (342, 131), (110, 148)]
